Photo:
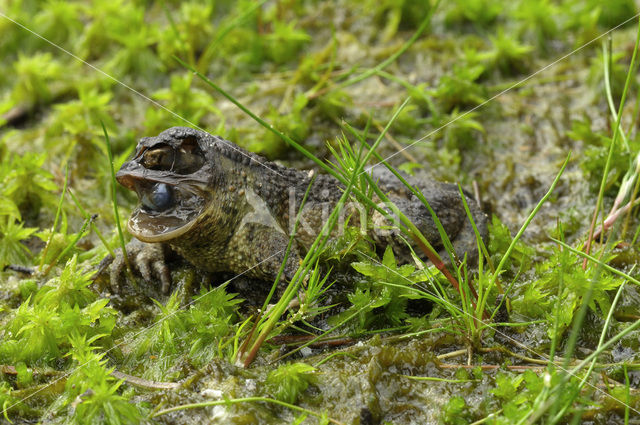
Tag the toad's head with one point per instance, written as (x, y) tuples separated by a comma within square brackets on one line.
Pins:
[(173, 174)]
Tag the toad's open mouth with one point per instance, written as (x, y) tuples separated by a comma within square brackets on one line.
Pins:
[(166, 211)]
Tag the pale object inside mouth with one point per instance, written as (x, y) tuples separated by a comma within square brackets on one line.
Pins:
[(149, 225)]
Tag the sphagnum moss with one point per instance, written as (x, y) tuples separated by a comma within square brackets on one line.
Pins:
[(449, 58)]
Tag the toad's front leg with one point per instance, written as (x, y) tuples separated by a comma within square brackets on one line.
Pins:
[(149, 259)]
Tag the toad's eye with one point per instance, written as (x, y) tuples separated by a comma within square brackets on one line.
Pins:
[(189, 157), (159, 198), (159, 158)]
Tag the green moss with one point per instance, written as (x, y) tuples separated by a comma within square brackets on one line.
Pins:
[(289, 381), (308, 68)]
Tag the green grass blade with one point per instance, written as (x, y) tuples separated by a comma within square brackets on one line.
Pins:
[(373, 71), (86, 215), (57, 217), (524, 226), (616, 133), (116, 214)]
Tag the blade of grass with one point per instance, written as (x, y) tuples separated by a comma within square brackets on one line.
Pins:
[(69, 246), (557, 408), (93, 225), (176, 32), (603, 334), (230, 402), (116, 214), (409, 228), (323, 236), (290, 244), (482, 253), (616, 132), (524, 226), (212, 48), (313, 253), (631, 176), (627, 393), (332, 355), (596, 261), (607, 49), (280, 271), (57, 217), (436, 379), (372, 71), (556, 319), (321, 335), (482, 246)]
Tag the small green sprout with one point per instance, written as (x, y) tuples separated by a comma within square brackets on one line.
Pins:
[(480, 12), (59, 21), (12, 235), (382, 297), (564, 270), (618, 67), (211, 320), (455, 412), (183, 100), (289, 381), (93, 395), (135, 56), (507, 54), (189, 32), (71, 287), (539, 20), (35, 76), (164, 337), (284, 42), (39, 330), (459, 89), (507, 386), (27, 183), (203, 331)]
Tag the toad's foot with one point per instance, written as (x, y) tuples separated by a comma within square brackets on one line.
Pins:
[(147, 258)]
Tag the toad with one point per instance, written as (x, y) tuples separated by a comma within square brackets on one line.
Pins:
[(225, 209)]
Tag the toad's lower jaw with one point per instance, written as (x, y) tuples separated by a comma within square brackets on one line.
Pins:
[(150, 226)]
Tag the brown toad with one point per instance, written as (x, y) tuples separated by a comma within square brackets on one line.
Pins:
[(225, 209)]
